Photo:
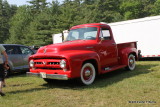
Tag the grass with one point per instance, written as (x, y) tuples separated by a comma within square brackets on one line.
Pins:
[(139, 88)]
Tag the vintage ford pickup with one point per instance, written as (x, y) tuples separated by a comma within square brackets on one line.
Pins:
[(89, 50)]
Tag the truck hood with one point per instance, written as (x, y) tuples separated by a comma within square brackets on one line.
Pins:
[(67, 46)]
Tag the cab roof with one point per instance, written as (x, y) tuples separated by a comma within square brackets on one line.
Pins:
[(90, 25)]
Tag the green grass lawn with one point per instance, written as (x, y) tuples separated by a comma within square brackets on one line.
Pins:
[(121, 88)]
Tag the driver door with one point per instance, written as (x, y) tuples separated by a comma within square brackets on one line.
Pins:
[(107, 49)]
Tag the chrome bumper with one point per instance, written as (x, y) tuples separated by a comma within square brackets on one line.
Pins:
[(49, 76)]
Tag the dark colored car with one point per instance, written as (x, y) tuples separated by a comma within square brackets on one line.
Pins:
[(17, 57)]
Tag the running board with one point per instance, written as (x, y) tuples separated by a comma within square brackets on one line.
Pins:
[(109, 69)]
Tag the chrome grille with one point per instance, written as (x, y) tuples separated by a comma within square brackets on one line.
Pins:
[(38, 63), (53, 63), (47, 63)]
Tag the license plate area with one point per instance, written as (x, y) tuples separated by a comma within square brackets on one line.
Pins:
[(43, 74)]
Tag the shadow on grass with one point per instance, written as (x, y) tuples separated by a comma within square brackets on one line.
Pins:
[(17, 74), (20, 85), (103, 80), (28, 90)]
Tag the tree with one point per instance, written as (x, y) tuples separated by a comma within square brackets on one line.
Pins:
[(131, 9), (1, 22), (156, 9), (40, 30), (107, 11), (43, 26), (19, 25), (34, 24), (38, 5), (67, 15), (6, 13)]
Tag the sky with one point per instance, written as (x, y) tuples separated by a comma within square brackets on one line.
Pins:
[(23, 2)]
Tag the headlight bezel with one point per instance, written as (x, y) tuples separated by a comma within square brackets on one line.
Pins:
[(31, 63), (63, 63)]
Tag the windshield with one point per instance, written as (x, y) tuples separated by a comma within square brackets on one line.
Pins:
[(87, 33)]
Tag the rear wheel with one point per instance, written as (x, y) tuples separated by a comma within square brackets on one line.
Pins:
[(88, 74), (131, 62)]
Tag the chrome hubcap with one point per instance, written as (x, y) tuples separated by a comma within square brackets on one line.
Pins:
[(131, 61), (87, 73)]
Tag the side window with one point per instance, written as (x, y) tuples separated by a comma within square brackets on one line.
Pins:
[(12, 50), (106, 34), (26, 50), (9, 50)]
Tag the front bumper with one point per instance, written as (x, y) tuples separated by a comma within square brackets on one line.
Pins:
[(49, 76)]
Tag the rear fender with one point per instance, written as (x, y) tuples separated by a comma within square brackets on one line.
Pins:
[(124, 53)]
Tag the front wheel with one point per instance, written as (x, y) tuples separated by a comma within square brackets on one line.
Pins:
[(88, 74), (131, 62)]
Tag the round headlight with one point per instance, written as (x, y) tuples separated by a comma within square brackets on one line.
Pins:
[(31, 63), (63, 64)]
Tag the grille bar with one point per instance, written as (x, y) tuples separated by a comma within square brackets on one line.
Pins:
[(47, 63)]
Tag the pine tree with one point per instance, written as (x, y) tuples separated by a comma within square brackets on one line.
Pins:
[(156, 9), (5, 15), (40, 32), (19, 25), (38, 5), (1, 22)]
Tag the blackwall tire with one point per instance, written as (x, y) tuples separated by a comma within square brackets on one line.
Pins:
[(131, 62), (88, 74)]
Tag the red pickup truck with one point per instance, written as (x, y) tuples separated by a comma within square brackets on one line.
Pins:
[(88, 50)]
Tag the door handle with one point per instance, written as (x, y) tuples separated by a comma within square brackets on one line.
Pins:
[(113, 43), (89, 47)]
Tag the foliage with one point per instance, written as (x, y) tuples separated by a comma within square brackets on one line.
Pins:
[(157, 7), (40, 30), (35, 23), (6, 12), (19, 25)]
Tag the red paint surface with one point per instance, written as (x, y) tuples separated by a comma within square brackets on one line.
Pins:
[(104, 54)]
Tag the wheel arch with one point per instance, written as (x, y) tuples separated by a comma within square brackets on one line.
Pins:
[(126, 57), (124, 53), (92, 61), (134, 53), (131, 62)]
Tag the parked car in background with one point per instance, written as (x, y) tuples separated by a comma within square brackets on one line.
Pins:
[(17, 57), (34, 48)]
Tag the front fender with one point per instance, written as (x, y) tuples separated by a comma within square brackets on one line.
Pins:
[(76, 60), (124, 53)]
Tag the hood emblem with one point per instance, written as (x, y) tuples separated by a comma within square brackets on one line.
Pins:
[(44, 50), (44, 63)]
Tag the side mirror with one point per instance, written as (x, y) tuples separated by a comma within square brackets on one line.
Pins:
[(102, 38), (64, 40)]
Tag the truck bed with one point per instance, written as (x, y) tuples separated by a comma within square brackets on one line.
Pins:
[(121, 46), (123, 49)]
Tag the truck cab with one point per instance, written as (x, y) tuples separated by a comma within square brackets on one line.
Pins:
[(89, 50), (103, 44)]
